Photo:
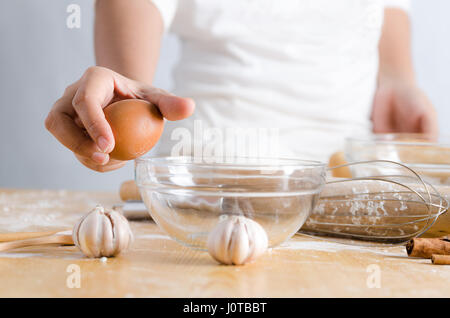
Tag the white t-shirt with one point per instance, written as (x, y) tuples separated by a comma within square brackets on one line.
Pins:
[(302, 72)]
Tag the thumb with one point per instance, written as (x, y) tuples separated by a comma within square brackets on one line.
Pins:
[(171, 107)]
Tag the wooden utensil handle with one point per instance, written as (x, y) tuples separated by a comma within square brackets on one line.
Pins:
[(337, 159), (8, 237), (53, 239), (129, 191)]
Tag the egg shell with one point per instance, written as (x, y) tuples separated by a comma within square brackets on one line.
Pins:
[(137, 126)]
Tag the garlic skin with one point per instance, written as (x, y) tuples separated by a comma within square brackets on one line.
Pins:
[(237, 240), (102, 233)]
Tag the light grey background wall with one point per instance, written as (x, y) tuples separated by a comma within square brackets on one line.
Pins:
[(40, 56)]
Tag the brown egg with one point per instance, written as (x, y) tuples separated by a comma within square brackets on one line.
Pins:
[(137, 126)]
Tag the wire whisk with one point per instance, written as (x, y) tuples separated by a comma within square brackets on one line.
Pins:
[(384, 201)]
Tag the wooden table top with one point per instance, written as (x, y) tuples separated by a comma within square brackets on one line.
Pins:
[(157, 266)]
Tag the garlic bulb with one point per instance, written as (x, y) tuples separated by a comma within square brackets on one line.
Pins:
[(237, 240), (102, 233)]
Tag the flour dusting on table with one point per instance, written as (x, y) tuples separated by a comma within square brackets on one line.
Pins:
[(326, 246), (154, 237), (40, 210)]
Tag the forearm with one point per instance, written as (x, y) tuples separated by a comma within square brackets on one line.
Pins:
[(127, 37), (395, 47)]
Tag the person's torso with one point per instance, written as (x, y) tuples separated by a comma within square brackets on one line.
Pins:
[(307, 68)]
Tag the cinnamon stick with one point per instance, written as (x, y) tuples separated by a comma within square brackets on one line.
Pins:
[(426, 247), (440, 259)]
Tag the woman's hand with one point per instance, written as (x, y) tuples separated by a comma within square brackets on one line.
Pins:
[(401, 106), (78, 122)]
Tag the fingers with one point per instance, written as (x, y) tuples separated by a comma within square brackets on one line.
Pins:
[(73, 137), (172, 107), (111, 165), (95, 91), (77, 119), (429, 123), (382, 116), (404, 110), (419, 115), (429, 126), (60, 123)]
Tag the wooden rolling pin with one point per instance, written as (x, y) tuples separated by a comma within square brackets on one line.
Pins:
[(338, 159), (129, 191)]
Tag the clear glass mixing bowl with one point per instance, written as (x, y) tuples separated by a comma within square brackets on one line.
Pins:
[(188, 196), (428, 156)]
